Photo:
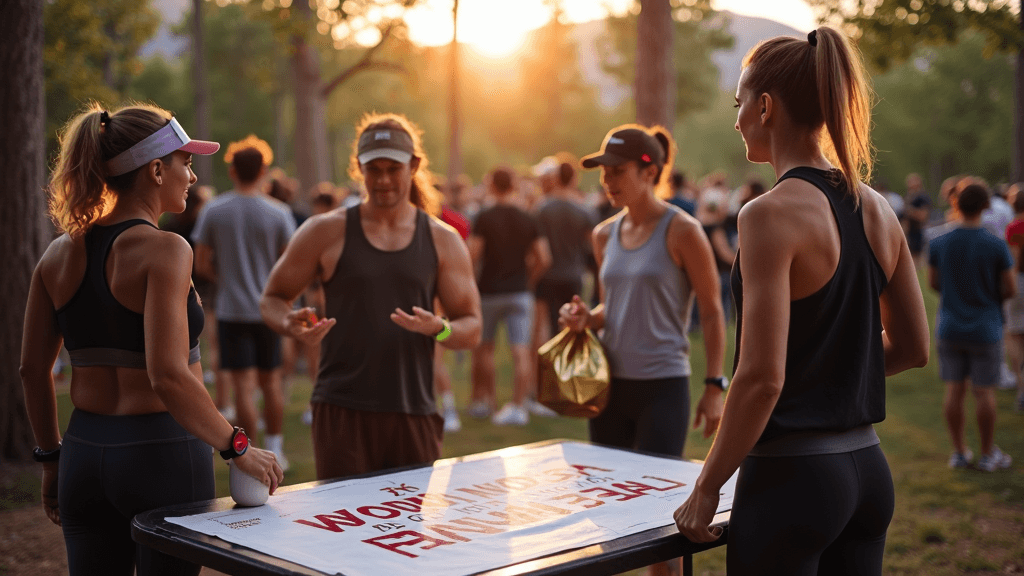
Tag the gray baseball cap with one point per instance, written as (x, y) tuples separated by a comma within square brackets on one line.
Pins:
[(385, 143)]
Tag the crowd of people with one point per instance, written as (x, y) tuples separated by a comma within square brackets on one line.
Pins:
[(372, 284)]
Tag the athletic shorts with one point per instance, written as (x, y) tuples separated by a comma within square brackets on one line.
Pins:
[(248, 345), (982, 363), (348, 442), (646, 415), (555, 293), (515, 308), (114, 467)]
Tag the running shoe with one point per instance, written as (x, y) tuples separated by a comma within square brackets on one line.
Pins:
[(997, 460), (538, 409), (479, 409), (1007, 379), (511, 415), (282, 460), (958, 460), (452, 423)]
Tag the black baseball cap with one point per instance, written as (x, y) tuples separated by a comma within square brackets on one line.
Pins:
[(385, 143), (622, 145)]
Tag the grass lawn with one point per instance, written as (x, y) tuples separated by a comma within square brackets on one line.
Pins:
[(946, 521)]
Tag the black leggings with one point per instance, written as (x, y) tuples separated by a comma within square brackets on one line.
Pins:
[(646, 415), (807, 515), (114, 467)]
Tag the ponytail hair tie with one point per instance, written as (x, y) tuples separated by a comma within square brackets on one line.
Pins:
[(812, 38), (104, 119)]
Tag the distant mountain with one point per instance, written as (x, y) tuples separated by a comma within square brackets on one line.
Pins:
[(164, 43), (747, 31)]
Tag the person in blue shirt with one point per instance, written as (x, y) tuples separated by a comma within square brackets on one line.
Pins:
[(973, 272)]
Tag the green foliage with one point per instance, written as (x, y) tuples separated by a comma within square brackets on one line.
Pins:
[(90, 53), (699, 32), (946, 111), (890, 30)]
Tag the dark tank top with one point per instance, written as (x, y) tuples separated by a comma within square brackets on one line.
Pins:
[(367, 362), (835, 364), (100, 331)]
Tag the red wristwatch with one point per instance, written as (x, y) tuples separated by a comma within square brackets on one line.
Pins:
[(239, 444)]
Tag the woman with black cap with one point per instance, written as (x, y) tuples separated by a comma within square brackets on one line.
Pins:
[(829, 305), (117, 292), (653, 259)]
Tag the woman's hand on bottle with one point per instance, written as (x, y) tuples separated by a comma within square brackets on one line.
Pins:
[(574, 315), (261, 464)]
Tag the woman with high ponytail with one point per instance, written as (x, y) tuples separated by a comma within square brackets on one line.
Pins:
[(116, 292), (654, 259), (829, 305)]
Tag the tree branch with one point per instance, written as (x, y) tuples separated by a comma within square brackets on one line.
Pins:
[(365, 63)]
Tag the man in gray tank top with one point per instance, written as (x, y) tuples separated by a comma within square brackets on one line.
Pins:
[(381, 264)]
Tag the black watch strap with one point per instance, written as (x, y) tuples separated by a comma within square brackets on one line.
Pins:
[(239, 444), (720, 381), (40, 455)]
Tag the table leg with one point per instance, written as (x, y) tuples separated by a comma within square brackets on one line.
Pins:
[(688, 565)]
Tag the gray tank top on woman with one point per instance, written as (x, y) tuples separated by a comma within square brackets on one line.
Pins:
[(647, 300)]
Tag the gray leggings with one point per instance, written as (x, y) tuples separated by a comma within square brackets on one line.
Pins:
[(114, 467), (809, 515)]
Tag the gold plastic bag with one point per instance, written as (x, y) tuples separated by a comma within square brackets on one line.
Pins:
[(573, 374)]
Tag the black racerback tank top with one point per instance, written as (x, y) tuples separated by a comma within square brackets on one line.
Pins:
[(367, 362), (100, 331), (835, 364)]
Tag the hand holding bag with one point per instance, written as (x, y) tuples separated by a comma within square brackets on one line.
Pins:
[(573, 374)]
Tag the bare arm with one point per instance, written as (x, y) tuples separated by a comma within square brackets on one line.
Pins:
[(904, 321), (693, 251), (39, 347), (165, 326), (204, 262), (766, 255), (539, 259), (457, 291), (934, 281), (1008, 284), (297, 268)]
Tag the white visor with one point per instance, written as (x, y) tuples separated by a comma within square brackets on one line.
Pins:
[(389, 153), (157, 145)]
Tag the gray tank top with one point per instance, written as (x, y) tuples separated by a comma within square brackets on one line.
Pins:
[(647, 300)]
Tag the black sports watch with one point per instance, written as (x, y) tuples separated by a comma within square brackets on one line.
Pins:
[(239, 444), (40, 455), (720, 381)]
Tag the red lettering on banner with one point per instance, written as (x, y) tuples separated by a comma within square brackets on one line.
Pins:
[(516, 482), (405, 505), (388, 512), (602, 492), (634, 487), (484, 490), (581, 500), (672, 484), (333, 522), (582, 469), (412, 539), (462, 525), (399, 490)]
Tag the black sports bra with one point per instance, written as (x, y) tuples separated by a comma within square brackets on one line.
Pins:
[(100, 331)]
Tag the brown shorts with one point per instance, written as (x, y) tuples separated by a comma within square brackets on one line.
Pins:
[(348, 442)]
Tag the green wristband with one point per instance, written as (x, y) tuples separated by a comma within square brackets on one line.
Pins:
[(446, 330)]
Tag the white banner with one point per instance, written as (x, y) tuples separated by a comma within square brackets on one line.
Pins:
[(464, 517)]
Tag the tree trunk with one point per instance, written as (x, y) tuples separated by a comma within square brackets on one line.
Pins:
[(655, 79), (1018, 115), (202, 165), (454, 126), (311, 162), (23, 227)]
